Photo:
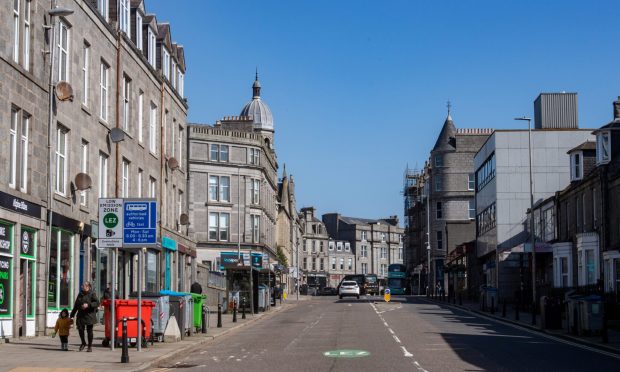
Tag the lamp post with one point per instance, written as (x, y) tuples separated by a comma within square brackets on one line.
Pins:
[(532, 237), (53, 13)]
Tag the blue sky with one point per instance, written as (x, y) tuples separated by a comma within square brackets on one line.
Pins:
[(358, 89)]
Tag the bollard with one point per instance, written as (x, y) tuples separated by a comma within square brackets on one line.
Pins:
[(517, 312), (234, 311), (534, 313), (204, 320), (460, 300), (219, 315), (504, 309), (243, 308), (125, 353), (493, 305), (604, 334)]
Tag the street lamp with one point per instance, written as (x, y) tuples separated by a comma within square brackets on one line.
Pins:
[(53, 13), (532, 237)]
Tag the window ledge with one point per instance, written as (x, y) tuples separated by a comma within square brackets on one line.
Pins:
[(86, 109), (62, 198)]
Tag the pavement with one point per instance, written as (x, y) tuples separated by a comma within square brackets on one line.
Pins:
[(43, 354), (407, 334)]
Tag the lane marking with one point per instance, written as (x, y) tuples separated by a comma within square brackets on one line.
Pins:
[(406, 353), (390, 329), (396, 338), (385, 323)]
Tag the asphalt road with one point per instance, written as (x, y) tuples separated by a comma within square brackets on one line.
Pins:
[(407, 334)]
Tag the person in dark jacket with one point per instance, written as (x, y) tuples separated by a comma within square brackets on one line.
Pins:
[(85, 307), (196, 288)]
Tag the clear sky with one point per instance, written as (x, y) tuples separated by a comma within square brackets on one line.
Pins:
[(358, 89)]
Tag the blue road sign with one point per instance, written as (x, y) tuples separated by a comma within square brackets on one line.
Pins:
[(140, 223)]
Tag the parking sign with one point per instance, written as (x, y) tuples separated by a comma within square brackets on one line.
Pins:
[(110, 223)]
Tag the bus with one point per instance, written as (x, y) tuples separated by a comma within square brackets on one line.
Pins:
[(397, 279)]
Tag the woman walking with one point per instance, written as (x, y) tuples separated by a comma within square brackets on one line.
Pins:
[(86, 305)]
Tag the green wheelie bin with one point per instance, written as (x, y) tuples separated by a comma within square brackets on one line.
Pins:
[(198, 303)]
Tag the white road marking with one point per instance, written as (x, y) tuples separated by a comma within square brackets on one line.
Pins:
[(396, 338), (385, 324), (390, 329), (303, 332), (202, 352), (407, 354)]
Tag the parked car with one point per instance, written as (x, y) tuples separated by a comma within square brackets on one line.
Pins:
[(349, 288)]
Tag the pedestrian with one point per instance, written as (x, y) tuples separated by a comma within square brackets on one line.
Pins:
[(63, 325), (85, 307)]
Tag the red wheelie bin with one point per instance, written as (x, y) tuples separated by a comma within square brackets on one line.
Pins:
[(127, 309)]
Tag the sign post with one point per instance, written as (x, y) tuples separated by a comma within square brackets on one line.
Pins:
[(111, 236), (139, 231)]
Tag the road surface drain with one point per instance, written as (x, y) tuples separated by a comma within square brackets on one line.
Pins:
[(346, 353)]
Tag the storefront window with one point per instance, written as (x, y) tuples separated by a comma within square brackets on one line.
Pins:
[(60, 270), (28, 245), (6, 249)]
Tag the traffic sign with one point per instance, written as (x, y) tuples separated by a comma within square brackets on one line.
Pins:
[(140, 223), (110, 223), (387, 295)]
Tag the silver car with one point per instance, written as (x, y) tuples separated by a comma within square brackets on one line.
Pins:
[(349, 288)]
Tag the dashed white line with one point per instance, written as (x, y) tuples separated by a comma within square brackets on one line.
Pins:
[(406, 353), (385, 324), (390, 329), (396, 338)]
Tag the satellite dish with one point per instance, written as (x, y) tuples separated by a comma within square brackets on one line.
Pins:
[(173, 163), (117, 135), (83, 181), (64, 91), (184, 219)]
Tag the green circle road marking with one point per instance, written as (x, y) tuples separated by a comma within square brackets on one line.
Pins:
[(346, 353), (110, 220)]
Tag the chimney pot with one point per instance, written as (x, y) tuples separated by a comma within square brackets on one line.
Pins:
[(617, 109)]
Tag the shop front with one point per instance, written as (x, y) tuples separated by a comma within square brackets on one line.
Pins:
[(169, 262)]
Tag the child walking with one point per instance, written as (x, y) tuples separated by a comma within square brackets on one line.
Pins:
[(63, 325)]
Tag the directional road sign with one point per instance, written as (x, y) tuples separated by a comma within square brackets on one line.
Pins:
[(110, 223), (140, 223)]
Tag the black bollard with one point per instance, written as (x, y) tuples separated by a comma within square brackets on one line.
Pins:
[(243, 308), (125, 354), (504, 309), (534, 313), (517, 312), (219, 315), (493, 305), (235, 311), (604, 334), (204, 320), (460, 300)]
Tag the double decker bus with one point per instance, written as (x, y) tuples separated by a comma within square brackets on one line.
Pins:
[(397, 279)]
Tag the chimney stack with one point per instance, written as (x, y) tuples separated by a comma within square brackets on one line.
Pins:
[(617, 109)]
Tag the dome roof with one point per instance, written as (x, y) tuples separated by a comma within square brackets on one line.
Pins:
[(258, 110)]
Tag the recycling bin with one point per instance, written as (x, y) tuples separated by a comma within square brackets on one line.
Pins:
[(181, 306), (198, 301), (127, 309), (160, 313), (591, 314)]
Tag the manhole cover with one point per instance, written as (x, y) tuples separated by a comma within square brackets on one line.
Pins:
[(346, 353)]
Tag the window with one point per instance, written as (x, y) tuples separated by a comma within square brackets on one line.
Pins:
[(439, 211), (564, 271), (255, 226), (103, 8), (383, 269), (330, 245), (255, 156), (224, 153), (438, 160), (16, 8), (384, 254), (13, 148), (400, 253), (341, 263), (439, 240), (218, 226), (364, 268), (438, 183), (594, 209), (173, 74), (485, 221), (140, 116), (151, 187), (486, 172), (140, 175), (125, 20), (152, 129), (322, 267), (321, 246), (471, 182), (85, 72), (339, 246), (138, 31), (305, 263), (125, 179), (314, 246), (364, 235), (255, 191), (350, 263), (126, 102), (61, 160), (305, 247), (23, 174), (84, 169), (166, 63), (180, 146), (576, 166), (472, 209), (103, 85), (181, 88), (26, 61), (313, 263), (60, 270), (179, 210), (151, 46), (103, 175), (603, 147), (333, 262), (219, 188), (215, 153), (364, 250), (63, 51), (382, 237)]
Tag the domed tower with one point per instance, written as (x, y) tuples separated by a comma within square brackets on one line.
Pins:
[(257, 109)]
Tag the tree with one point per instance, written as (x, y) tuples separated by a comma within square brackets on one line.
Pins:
[(281, 256)]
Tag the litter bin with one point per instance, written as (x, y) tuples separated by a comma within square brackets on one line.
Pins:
[(160, 313), (128, 309), (551, 312), (591, 314), (198, 301), (572, 310), (181, 306)]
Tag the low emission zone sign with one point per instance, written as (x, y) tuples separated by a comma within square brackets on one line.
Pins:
[(110, 223)]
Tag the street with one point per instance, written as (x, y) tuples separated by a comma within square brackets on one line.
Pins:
[(409, 333)]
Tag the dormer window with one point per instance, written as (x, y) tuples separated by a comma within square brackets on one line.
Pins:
[(576, 166), (138, 31), (603, 147), (103, 8), (151, 46), (125, 21), (166, 64)]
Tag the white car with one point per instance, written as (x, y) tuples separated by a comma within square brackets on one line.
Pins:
[(349, 288)]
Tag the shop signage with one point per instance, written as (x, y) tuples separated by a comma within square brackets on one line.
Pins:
[(5, 238), (18, 205), (140, 223), (27, 243), (231, 260), (5, 285), (257, 260), (110, 223)]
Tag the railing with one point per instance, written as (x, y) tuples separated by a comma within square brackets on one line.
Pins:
[(217, 280)]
